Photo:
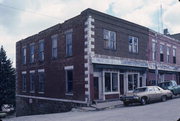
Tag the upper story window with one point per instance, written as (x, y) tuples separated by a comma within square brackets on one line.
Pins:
[(133, 44), (24, 55), (161, 53), (168, 54), (109, 39), (69, 43), (54, 45), (32, 52), (174, 55), (153, 51), (41, 50)]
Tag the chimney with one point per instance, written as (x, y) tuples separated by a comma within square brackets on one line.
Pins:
[(166, 32)]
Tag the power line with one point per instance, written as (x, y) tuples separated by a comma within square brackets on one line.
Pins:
[(28, 11)]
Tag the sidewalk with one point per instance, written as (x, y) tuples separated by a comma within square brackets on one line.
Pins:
[(102, 106)]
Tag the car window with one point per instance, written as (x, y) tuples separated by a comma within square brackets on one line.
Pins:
[(156, 89), (150, 89), (140, 90)]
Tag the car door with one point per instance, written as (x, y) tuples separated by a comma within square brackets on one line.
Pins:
[(158, 94), (151, 94)]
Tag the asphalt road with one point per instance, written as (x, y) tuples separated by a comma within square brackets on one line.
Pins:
[(161, 111)]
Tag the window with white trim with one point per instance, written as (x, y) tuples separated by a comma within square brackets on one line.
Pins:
[(132, 81), (69, 44), (168, 54), (153, 51), (32, 81), (24, 55), (24, 82), (133, 44), (174, 55), (32, 52), (161, 53), (111, 81), (54, 45), (69, 81), (41, 78), (41, 50), (109, 39)]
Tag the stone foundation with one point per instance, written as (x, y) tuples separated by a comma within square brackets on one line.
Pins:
[(27, 106)]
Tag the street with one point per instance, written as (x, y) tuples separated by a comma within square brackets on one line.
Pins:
[(160, 111)]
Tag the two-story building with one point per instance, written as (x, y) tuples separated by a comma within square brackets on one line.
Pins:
[(93, 56)]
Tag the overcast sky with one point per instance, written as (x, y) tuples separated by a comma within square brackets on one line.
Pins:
[(22, 18)]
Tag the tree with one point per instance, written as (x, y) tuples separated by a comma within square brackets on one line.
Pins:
[(7, 80)]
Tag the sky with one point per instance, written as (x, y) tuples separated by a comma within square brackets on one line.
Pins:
[(22, 18)]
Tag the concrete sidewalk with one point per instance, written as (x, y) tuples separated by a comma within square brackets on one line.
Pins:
[(102, 106)]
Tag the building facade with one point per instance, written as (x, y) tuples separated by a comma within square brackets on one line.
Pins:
[(91, 57)]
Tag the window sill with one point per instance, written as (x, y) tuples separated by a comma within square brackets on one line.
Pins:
[(32, 91), (109, 93), (69, 94), (41, 92), (24, 91)]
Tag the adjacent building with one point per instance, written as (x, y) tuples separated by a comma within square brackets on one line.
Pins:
[(91, 57)]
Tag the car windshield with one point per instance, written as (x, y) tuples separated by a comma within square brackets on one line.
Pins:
[(140, 90), (165, 84)]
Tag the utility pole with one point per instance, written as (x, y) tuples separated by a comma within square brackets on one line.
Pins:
[(156, 67)]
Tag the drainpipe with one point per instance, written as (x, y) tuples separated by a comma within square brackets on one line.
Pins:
[(156, 67)]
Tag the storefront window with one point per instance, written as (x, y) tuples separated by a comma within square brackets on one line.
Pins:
[(111, 82), (132, 81), (107, 82)]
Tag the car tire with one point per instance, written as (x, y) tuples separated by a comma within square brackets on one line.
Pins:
[(143, 101), (125, 103), (163, 98), (174, 93)]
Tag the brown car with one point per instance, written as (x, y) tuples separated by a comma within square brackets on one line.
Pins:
[(145, 95)]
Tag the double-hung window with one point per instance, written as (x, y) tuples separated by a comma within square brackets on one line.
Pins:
[(32, 53), (133, 44), (153, 51), (32, 81), (109, 39), (24, 55), (111, 81), (69, 43), (174, 55), (161, 53), (168, 54), (41, 50), (69, 81), (24, 81), (54, 45), (41, 76)]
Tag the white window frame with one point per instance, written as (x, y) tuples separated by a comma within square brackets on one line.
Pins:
[(132, 73), (32, 72), (41, 71), (41, 52), (32, 46), (24, 51), (69, 43), (168, 54), (104, 91), (134, 46), (54, 41), (24, 82), (154, 46), (68, 68), (109, 43)]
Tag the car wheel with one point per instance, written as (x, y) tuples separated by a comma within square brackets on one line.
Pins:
[(174, 93), (125, 103), (143, 101), (163, 98)]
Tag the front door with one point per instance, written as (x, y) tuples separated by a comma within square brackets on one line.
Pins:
[(96, 88), (121, 79)]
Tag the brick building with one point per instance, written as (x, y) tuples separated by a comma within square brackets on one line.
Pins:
[(93, 56)]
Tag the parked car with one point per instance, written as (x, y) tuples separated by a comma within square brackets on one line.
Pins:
[(145, 95), (7, 108), (170, 85)]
